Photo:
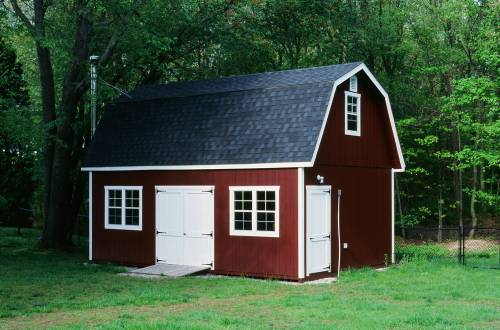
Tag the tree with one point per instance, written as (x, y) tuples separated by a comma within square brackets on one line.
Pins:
[(18, 147), (64, 34)]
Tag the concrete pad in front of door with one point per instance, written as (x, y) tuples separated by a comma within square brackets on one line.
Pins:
[(168, 270)]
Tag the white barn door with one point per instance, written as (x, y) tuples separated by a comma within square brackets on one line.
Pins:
[(184, 225), (318, 231)]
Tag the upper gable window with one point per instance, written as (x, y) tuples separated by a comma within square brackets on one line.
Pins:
[(353, 84), (352, 114)]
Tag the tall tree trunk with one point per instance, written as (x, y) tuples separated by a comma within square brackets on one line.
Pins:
[(48, 106), (473, 202)]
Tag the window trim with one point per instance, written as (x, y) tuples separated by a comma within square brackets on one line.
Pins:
[(347, 131), (254, 232), (123, 226), (353, 84)]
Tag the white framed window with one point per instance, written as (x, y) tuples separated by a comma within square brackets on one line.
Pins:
[(352, 114), (254, 211), (353, 84), (123, 207)]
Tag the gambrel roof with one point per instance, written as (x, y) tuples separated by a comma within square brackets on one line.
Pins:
[(262, 120)]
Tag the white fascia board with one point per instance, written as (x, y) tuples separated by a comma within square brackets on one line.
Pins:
[(197, 167), (362, 67)]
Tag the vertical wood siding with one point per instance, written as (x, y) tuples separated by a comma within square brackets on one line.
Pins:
[(365, 213), (361, 168), (375, 147), (254, 256)]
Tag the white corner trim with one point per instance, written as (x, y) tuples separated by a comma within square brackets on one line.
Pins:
[(90, 216), (361, 67), (393, 229), (300, 225), (199, 167)]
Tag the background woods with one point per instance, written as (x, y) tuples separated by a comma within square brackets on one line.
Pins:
[(438, 60)]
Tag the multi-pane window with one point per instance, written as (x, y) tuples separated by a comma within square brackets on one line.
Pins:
[(266, 210), (123, 208), (114, 207), (243, 210), (132, 207), (352, 114), (254, 211)]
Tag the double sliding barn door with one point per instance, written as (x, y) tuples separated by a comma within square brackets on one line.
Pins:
[(184, 225)]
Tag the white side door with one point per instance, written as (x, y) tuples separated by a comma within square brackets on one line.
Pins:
[(318, 232), (185, 225)]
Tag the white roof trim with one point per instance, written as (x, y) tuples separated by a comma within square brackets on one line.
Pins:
[(198, 167), (387, 103)]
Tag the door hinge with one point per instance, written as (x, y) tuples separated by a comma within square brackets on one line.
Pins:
[(328, 267), (210, 191), (327, 236), (160, 232), (160, 260), (329, 191), (211, 234), (211, 264)]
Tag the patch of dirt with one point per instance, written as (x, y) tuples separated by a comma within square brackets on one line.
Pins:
[(473, 245)]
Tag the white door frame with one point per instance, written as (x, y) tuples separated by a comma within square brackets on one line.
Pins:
[(309, 189), (164, 188)]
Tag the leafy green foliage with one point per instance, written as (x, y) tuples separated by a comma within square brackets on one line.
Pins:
[(438, 61), (18, 145)]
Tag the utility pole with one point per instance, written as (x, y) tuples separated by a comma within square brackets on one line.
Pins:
[(93, 92)]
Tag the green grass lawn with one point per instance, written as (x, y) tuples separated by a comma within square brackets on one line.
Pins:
[(49, 289)]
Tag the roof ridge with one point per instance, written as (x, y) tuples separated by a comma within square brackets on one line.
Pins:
[(254, 74), (131, 100)]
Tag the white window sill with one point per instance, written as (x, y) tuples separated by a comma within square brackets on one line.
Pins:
[(123, 227), (249, 233), (352, 133)]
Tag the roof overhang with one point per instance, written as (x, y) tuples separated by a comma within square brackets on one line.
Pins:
[(198, 167)]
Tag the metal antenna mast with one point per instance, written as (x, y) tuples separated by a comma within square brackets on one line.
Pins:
[(93, 91)]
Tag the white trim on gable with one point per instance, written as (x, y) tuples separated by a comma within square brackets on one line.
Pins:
[(362, 67)]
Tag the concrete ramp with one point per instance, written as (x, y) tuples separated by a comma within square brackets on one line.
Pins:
[(169, 270)]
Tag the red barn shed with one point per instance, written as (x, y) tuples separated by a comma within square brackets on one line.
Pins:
[(250, 175)]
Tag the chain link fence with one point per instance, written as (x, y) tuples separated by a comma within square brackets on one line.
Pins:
[(475, 247)]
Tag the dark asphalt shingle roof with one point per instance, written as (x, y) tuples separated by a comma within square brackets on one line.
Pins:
[(273, 117)]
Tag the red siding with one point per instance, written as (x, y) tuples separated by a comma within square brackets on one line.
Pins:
[(365, 213), (255, 256), (375, 147), (361, 168)]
